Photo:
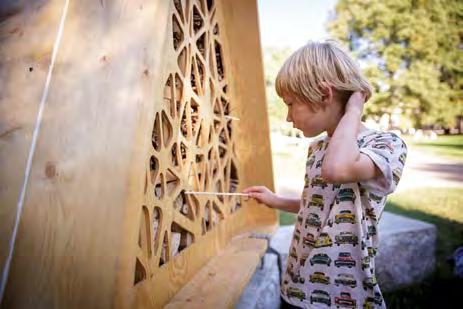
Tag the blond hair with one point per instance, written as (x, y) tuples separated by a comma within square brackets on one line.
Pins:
[(308, 68)]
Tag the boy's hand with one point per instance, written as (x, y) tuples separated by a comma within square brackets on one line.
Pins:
[(263, 195), (356, 102)]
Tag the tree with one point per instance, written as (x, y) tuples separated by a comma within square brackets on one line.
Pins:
[(273, 60), (411, 51)]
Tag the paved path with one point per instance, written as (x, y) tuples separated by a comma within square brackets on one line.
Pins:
[(425, 170), (421, 170)]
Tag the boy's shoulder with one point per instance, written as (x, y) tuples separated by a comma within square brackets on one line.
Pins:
[(375, 137)]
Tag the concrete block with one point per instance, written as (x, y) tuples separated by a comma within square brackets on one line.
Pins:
[(406, 251), (263, 290)]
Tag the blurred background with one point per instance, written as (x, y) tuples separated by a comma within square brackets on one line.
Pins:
[(411, 51)]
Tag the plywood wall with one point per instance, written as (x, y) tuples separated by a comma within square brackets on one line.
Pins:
[(143, 105)]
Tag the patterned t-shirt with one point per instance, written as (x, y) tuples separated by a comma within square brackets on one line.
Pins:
[(331, 257)]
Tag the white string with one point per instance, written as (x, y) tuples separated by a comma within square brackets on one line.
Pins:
[(6, 269), (230, 117), (215, 193)]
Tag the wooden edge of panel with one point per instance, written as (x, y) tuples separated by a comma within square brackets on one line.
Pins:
[(221, 281)]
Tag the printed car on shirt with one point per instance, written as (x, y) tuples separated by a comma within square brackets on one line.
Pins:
[(323, 240), (321, 258), (369, 282), (313, 220), (344, 216), (317, 201), (318, 181), (344, 259), (320, 296), (346, 279), (346, 238), (345, 195), (308, 240), (319, 277), (297, 293), (345, 300)]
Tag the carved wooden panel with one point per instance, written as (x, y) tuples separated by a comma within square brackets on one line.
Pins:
[(192, 142)]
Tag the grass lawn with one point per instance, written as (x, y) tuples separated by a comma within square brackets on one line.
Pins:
[(442, 207), (448, 146)]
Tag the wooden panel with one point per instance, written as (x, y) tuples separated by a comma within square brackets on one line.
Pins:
[(69, 241), (138, 112), (27, 34), (219, 284)]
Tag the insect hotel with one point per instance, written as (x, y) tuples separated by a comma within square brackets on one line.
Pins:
[(127, 131)]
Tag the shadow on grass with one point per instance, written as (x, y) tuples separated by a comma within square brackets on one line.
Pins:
[(441, 289)]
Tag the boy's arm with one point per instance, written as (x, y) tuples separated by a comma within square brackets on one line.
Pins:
[(344, 163), (289, 204), (264, 195)]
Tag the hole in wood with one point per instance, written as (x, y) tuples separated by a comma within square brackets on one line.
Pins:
[(177, 32), (178, 7), (219, 188), (217, 108), (184, 122), (180, 238), (140, 272), (175, 155), (222, 151), (216, 29), (169, 95), (229, 129), (194, 78), (201, 44), (156, 229), (210, 3), (176, 105), (184, 204), (194, 116), (159, 187), (156, 135), (172, 181), (219, 62), (207, 221), (183, 152), (164, 258), (225, 106), (223, 137), (197, 20), (201, 69), (167, 130)]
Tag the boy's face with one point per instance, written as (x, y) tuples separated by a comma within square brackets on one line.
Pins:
[(310, 122)]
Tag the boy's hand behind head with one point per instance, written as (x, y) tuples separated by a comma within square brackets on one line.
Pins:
[(356, 102)]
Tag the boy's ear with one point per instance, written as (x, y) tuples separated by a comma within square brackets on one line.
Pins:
[(327, 91)]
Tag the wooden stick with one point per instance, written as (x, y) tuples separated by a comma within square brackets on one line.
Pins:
[(215, 193), (231, 117)]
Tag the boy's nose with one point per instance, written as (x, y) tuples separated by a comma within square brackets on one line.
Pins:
[(288, 118)]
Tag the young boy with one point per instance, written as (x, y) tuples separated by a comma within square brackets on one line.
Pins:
[(349, 173)]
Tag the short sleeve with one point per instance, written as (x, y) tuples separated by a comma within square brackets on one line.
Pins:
[(388, 151)]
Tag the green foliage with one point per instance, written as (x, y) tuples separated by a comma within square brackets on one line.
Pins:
[(273, 60), (412, 51)]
